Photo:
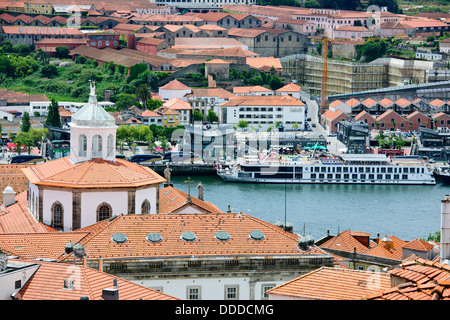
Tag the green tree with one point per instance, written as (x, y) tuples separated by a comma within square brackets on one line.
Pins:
[(49, 71), (21, 49), (26, 125), (143, 94), (42, 56), (63, 52), (80, 60), (53, 118), (197, 116), (212, 116), (23, 139), (125, 101), (242, 124)]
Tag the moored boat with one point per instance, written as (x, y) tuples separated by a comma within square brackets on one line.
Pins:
[(343, 169)]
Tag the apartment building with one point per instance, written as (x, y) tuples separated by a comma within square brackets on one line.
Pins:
[(264, 111)]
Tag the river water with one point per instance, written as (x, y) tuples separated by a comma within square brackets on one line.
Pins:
[(407, 211)]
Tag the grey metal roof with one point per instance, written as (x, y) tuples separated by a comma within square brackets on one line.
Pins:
[(92, 114)]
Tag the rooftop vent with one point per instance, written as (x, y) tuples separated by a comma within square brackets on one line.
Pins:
[(188, 236), (110, 294), (256, 235), (154, 237), (223, 236), (68, 248), (119, 238)]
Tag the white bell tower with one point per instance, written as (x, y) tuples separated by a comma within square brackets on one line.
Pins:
[(445, 230), (92, 132)]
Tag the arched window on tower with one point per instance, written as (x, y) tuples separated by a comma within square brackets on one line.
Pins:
[(97, 146), (57, 216), (145, 207), (104, 211), (82, 142), (110, 145)]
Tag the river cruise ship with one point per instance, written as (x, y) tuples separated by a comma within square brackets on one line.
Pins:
[(343, 169)]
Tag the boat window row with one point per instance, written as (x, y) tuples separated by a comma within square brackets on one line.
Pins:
[(364, 169), (355, 176)]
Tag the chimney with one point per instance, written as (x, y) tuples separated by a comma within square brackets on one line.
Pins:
[(110, 294), (9, 196), (100, 264), (445, 230)]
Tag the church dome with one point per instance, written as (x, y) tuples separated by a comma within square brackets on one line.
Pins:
[(92, 115)]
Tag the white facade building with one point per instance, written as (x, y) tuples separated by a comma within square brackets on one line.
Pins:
[(174, 89), (264, 111)]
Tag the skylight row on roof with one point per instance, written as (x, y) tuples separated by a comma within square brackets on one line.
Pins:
[(188, 236)]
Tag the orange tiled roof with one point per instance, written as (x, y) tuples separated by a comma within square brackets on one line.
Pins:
[(335, 103), (386, 102), (248, 89), (204, 226), (361, 114), (172, 200), (352, 102), (369, 102), (264, 62), (419, 245), (392, 250), (47, 283), (175, 85), (422, 280), (95, 173), (289, 88), (345, 241), (210, 92), (402, 102), (149, 113), (16, 218), (248, 100), (328, 283), (177, 104), (386, 113), (331, 115), (437, 102), (33, 245)]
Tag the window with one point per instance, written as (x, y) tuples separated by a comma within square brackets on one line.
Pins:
[(231, 292), (264, 288), (96, 146), (193, 293), (104, 211), (82, 141), (145, 207), (57, 215), (110, 145)]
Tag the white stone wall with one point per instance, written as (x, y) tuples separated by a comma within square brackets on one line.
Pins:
[(63, 197), (118, 200), (148, 193)]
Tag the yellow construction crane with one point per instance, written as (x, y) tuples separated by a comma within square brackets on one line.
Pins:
[(323, 92)]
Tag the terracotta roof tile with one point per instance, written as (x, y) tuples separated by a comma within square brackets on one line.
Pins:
[(249, 100), (172, 200), (47, 283), (17, 218), (204, 226), (328, 283), (344, 241), (94, 173), (175, 85)]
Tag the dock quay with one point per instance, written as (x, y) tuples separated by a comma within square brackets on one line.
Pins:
[(195, 169)]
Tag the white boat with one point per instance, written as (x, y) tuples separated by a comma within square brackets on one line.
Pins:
[(343, 169)]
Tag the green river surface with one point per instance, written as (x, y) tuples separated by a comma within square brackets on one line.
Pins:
[(404, 211)]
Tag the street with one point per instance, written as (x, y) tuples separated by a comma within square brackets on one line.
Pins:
[(334, 145)]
